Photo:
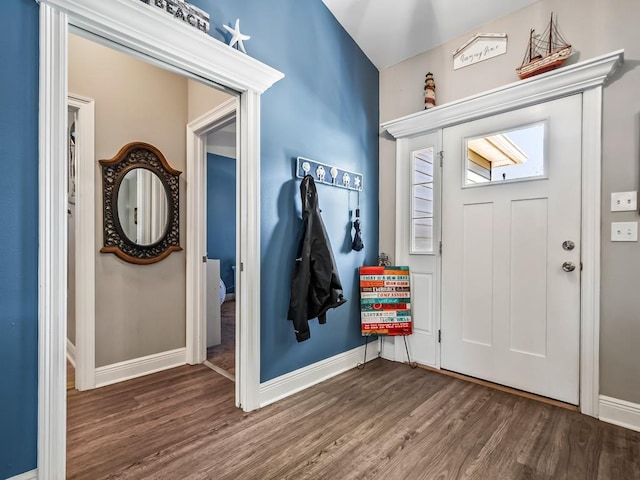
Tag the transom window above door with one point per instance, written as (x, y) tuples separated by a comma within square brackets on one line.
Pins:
[(506, 156)]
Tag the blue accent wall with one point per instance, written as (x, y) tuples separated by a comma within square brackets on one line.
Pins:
[(221, 215), (18, 237), (326, 108)]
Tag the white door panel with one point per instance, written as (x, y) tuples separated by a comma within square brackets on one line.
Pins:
[(510, 313), (417, 240)]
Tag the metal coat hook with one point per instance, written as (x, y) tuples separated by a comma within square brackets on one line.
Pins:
[(329, 174)]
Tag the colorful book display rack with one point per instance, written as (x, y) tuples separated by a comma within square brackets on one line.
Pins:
[(385, 301)]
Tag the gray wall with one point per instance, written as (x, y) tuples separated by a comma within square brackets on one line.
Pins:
[(140, 309), (594, 27)]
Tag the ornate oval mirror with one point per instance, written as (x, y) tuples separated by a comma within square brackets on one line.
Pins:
[(141, 205)]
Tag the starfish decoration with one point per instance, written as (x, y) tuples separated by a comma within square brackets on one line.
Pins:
[(237, 37)]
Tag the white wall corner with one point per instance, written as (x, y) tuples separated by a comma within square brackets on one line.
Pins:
[(298, 380), (138, 367), (620, 412), (32, 475)]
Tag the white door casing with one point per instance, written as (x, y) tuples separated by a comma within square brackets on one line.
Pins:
[(85, 241), (588, 77), (510, 313), (423, 260), (147, 33), (197, 132)]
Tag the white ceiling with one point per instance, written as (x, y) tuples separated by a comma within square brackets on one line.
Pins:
[(389, 31)]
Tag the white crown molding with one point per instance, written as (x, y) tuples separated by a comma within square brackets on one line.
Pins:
[(198, 52), (298, 380), (620, 412), (138, 367), (557, 83)]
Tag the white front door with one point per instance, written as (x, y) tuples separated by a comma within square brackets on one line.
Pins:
[(510, 231), (417, 240)]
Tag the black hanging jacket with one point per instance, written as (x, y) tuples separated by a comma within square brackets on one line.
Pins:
[(315, 285)]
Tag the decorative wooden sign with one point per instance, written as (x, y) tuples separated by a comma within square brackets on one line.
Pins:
[(385, 301), (482, 46), (184, 12)]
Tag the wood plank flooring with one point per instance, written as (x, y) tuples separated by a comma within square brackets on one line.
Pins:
[(384, 422)]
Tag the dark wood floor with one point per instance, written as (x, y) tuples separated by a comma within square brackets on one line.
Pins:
[(384, 422)]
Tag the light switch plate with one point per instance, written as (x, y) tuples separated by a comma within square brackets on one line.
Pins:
[(624, 231), (624, 201)]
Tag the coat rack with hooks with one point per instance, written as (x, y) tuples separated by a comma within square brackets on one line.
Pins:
[(329, 174)]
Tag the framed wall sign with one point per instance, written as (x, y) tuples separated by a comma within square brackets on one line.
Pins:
[(184, 12), (482, 46)]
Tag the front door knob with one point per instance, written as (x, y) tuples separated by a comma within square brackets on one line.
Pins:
[(568, 266)]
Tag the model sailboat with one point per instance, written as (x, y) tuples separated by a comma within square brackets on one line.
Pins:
[(545, 52)]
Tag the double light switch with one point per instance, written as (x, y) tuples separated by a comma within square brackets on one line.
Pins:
[(624, 231)]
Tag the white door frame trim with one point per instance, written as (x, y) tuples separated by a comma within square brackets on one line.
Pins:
[(197, 131), (587, 78), (85, 295), (154, 35)]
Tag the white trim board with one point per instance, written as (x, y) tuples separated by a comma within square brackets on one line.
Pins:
[(85, 241), (542, 88), (156, 36), (32, 475), (620, 412), (196, 247), (138, 367), (587, 78), (298, 380)]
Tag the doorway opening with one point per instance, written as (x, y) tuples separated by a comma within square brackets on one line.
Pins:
[(129, 26), (138, 318), (136, 323), (222, 230)]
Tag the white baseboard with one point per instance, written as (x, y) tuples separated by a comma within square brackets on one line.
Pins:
[(620, 412), (138, 367), (293, 382), (71, 353), (32, 475)]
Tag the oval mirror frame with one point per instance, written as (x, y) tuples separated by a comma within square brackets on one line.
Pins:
[(131, 156)]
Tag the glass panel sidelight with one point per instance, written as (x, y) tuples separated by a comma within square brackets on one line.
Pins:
[(506, 156), (422, 198)]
